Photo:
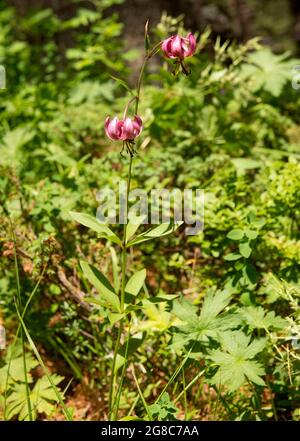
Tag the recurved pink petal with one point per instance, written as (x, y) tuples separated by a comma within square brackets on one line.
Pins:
[(119, 129), (111, 128), (166, 45), (124, 130), (176, 47), (179, 47), (138, 125), (192, 45), (128, 129), (107, 121), (138, 120)]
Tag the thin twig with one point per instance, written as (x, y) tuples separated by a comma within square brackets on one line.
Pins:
[(75, 292)]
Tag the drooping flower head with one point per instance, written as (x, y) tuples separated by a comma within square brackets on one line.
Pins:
[(125, 130), (178, 48)]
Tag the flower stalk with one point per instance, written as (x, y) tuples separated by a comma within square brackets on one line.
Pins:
[(126, 130), (115, 402)]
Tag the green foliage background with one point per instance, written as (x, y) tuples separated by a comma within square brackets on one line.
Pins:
[(231, 128)]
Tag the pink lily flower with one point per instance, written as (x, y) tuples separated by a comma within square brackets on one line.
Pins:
[(125, 130), (178, 48)]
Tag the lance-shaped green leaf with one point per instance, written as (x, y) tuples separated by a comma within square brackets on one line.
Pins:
[(122, 83), (133, 344), (232, 256), (135, 283), (108, 296), (115, 317), (133, 225), (146, 37), (115, 269), (162, 297), (152, 233), (93, 223)]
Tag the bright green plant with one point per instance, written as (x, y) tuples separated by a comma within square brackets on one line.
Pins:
[(114, 298), (13, 392), (231, 128)]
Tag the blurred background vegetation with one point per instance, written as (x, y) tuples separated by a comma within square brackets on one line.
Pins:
[(231, 128), (277, 21)]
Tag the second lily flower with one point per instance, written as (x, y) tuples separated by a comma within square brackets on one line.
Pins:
[(178, 48), (125, 130)]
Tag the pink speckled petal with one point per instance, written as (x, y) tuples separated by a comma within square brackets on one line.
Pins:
[(192, 45), (185, 46), (138, 125), (124, 130), (138, 120), (177, 50), (128, 129), (167, 47), (107, 121), (111, 128)]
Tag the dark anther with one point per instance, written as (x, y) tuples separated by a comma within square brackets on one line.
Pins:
[(129, 144), (184, 69)]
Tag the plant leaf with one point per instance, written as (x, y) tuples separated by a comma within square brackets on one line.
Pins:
[(245, 249), (108, 296), (93, 223), (236, 234), (268, 71), (122, 83), (135, 283), (232, 256), (234, 360), (132, 226), (115, 269), (161, 230), (256, 318), (251, 234)]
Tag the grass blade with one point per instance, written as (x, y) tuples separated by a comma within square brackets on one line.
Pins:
[(48, 375)]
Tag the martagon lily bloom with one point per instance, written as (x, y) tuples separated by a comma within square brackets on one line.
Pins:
[(125, 130), (178, 48)]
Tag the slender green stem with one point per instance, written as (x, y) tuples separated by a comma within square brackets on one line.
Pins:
[(184, 394), (133, 405), (141, 394), (223, 401), (22, 334), (140, 79), (46, 372), (139, 84), (114, 404), (257, 400), (219, 398), (17, 334), (122, 302), (118, 397), (272, 401), (174, 374), (113, 374), (193, 381), (135, 98), (124, 251), (63, 394)]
